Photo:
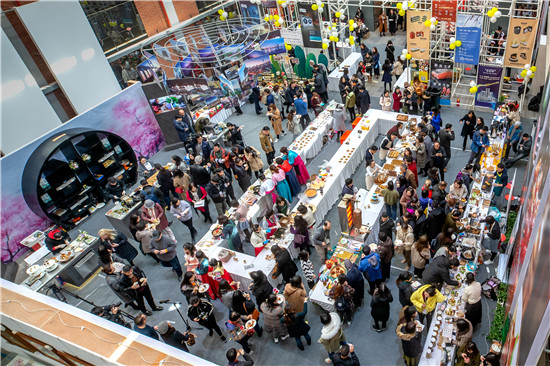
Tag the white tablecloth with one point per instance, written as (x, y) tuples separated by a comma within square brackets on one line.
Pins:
[(350, 63)]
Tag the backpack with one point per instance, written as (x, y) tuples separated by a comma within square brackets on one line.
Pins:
[(373, 262), (341, 304)]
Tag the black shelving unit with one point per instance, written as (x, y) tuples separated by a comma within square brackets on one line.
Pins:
[(66, 175)]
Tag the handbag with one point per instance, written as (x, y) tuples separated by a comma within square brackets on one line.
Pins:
[(179, 190), (255, 314)]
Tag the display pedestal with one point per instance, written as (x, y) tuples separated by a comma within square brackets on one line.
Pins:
[(121, 223)]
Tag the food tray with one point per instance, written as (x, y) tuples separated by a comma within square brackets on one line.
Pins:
[(402, 117), (393, 154), (388, 167)]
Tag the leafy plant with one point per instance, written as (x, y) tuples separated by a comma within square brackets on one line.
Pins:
[(512, 217), (497, 325)]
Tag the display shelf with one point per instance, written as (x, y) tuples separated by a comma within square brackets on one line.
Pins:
[(65, 176)]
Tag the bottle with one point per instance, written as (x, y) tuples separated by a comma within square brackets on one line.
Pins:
[(458, 102)]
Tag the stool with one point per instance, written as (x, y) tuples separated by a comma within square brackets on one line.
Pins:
[(344, 136), (356, 122)]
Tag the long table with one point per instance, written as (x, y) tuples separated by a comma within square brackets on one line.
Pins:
[(434, 354), (351, 63)]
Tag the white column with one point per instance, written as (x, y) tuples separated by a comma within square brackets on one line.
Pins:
[(170, 12)]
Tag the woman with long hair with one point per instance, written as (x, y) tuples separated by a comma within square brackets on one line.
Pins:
[(198, 197), (380, 306), (118, 243), (420, 255), (272, 318), (254, 160), (144, 236), (191, 261), (276, 121), (260, 287), (403, 282), (376, 62), (471, 299), (203, 271), (278, 176), (296, 161), (189, 286), (342, 294), (301, 233), (245, 307)]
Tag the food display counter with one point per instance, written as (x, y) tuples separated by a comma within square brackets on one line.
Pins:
[(74, 264), (119, 216)]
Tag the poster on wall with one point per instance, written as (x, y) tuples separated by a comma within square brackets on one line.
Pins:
[(441, 76), (311, 29), (292, 37), (468, 31), (418, 40), (258, 65), (520, 42), (488, 83), (250, 12), (444, 10), (273, 46)]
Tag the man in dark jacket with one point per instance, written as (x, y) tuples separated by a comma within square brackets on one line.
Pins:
[(165, 250), (134, 283), (439, 156), (364, 96), (386, 225), (202, 312), (385, 249), (114, 189), (345, 357), (233, 358), (110, 313), (319, 83), (182, 126), (56, 240), (420, 225), (235, 135), (445, 137), (435, 220), (321, 240), (437, 272), (202, 147), (370, 153), (524, 147), (255, 98), (451, 222), (240, 170), (199, 173), (439, 193), (216, 191), (227, 182), (112, 278)]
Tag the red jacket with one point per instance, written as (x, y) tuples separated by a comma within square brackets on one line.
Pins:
[(224, 156), (202, 194)]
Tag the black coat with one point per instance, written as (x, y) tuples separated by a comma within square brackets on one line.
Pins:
[(387, 227), (380, 306), (436, 219), (438, 195), (124, 248), (214, 192), (125, 283), (411, 343), (405, 292), (176, 339), (356, 281), (438, 272), (468, 129), (242, 177), (365, 101), (285, 265), (445, 139), (420, 226), (166, 182), (199, 174), (351, 360), (114, 190), (261, 290)]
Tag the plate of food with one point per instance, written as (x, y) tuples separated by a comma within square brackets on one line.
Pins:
[(217, 232), (452, 301), (337, 271), (311, 192), (393, 154), (250, 324), (65, 257), (398, 243), (402, 117), (34, 270), (50, 265), (280, 299), (204, 287)]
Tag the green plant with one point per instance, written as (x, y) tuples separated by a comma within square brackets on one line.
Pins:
[(501, 99), (497, 325), (512, 217)]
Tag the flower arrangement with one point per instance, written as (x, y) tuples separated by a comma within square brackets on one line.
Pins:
[(73, 165), (86, 157)]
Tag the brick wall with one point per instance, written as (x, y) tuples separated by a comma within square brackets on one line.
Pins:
[(185, 9), (153, 16)]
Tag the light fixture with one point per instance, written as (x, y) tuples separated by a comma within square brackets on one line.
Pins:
[(63, 65), (87, 54)]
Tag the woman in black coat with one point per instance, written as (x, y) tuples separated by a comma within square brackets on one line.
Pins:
[(242, 305), (166, 183), (296, 325), (380, 306), (284, 264), (411, 341), (118, 243), (355, 280), (468, 125), (260, 287), (436, 219)]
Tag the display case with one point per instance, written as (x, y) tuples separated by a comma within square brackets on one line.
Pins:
[(66, 175)]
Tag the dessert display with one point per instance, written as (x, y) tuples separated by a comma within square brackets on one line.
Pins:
[(310, 192)]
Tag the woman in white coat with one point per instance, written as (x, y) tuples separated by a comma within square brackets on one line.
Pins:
[(372, 171), (339, 125)]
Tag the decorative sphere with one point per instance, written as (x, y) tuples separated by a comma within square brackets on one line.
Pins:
[(408, 56), (458, 43), (325, 46)]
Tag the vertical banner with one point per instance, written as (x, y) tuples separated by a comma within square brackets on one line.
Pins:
[(311, 29), (468, 31), (520, 42), (441, 76), (444, 10), (488, 82), (418, 38)]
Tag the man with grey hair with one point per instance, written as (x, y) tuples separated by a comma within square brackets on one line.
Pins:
[(199, 173)]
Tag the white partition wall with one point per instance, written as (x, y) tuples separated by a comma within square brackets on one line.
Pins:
[(67, 42), (25, 112)]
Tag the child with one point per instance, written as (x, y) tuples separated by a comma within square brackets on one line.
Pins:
[(307, 268)]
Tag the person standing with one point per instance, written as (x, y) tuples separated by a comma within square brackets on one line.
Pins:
[(411, 342), (171, 336), (479, 142), (391, 197), (386, 146), (232, 356), (523, 149), (182, 211), (376, 62), (445, 137), (397, 95), (240, 171), (492, 230), (201, 311), (296, 325), (405, 234), (285, 264), (141, 326), (266, 142), (217, 192), (471, 298), (385, 250), (350, 104), (254, 160), (403, 283), (364, 100), (501, 180), (382, 23), (320, 85), (420, 255), (165, 249), (425, 300), (439, 157), (321, 240), (380, 306), (117, 242), (255, 98), (345, 356), (332, 334), (386, 76), (392, 24), (272, 318), (154, 214), (468, 122), (183, 128), (134, 283), (276, 121), (198, 197), (371, 268)]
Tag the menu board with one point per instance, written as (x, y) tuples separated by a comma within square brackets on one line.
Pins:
[(418, 36), (521, 41), (444, 10)]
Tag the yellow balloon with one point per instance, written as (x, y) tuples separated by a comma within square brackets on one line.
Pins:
[(494, 9), (271, 17), (325, 46), (331, 38), (402, 12), (322, 5), (399, 6), (280, 2), (533, 68), (222, 18), (336, 39), (334, 24), (314, 7), (458, 43), (475, 89), (427, 23), (288, 47), (472, 91), (220, 11), (408, 56), (411, 6), (352, 42), (351, 28), (491, 13), (351, 38), (452, 46), (231, 15), (351, 22), (276, 17), (532, 76), (523, 73), (337, 14), (266, 18), (277, 24)]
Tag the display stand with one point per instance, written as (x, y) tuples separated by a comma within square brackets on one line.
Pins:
[(119, 217)]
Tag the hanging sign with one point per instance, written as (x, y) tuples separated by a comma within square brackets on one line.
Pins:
[(444, 10), (292, 37), (520, 42), (488, 83), (418, 37), (441, 76), (468, 31), (309, 23)]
